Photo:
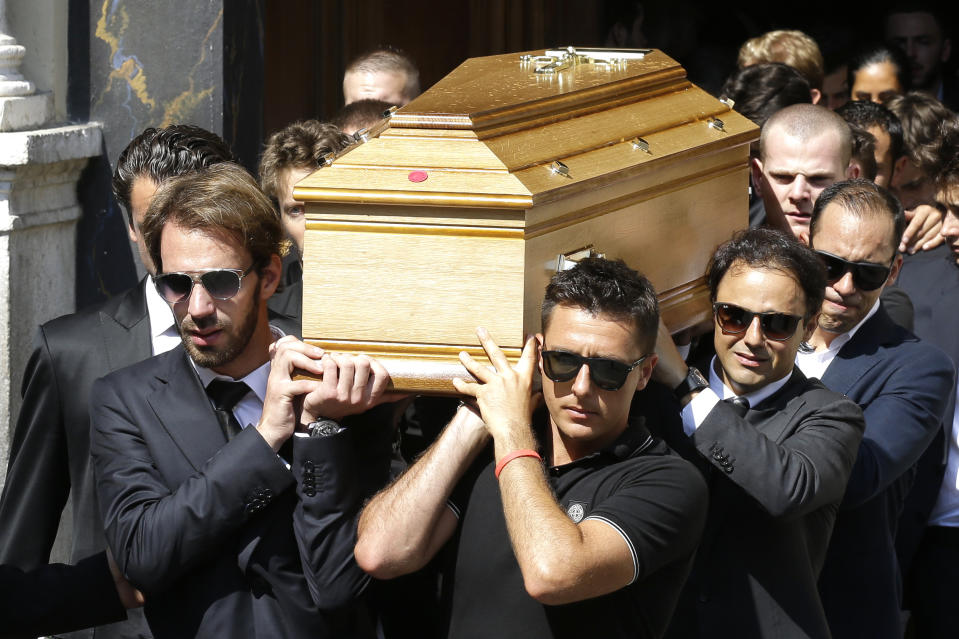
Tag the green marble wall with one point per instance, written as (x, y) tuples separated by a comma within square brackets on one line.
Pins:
[(141, 63)]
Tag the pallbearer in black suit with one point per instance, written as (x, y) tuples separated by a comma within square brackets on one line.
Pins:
[(775, 447), (229, 524), (50, 455)]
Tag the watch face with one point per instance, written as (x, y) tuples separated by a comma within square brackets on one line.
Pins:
[(325, 428), (700, 379), (693, 382)]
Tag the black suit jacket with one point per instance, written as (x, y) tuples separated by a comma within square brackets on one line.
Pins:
[(932, 279), (903, 386), (776, 476), (220, 536), (288, 302), (56, 598), (50, 453)]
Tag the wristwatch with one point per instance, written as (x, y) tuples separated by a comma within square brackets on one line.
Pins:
[(324, 427), (694, 382)]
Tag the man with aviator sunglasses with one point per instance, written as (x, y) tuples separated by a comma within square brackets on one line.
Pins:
[(775, 446), (571, 521), (228, 488), (901, 383)]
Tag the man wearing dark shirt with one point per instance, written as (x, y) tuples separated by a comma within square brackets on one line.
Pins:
[(574, 523)]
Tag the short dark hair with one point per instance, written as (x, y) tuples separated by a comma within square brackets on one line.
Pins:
[(861, 198), (876, 54), (607, 287), (864, 151), (300, 145), (163, 153), (764, 248), (866, 113), (760, 90), (223, 197), (922, 117), (362, 114)]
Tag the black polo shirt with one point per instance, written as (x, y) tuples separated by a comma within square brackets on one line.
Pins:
[(653, 498)]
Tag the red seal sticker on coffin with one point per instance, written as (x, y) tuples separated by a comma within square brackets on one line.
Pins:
[(418, 176)]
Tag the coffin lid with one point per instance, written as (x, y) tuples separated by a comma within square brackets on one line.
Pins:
[(489, 133)]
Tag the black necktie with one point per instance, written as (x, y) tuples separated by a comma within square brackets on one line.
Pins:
[(740, 404), (225, 396)]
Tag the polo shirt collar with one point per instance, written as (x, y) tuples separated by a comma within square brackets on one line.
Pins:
[(633, 440)]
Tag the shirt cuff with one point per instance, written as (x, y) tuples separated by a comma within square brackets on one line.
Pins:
[(694, 413)]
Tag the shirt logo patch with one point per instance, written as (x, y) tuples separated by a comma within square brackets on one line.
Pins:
[(576, 511)]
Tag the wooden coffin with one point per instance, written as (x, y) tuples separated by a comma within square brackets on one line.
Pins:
[(456, 211)]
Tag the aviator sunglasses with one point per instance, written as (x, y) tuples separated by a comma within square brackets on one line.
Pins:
[(608, 374), (867, 276), (735, 320), (220, 283)]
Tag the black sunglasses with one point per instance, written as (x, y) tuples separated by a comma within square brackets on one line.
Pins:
[(735, 320), (867, 276), (220, 283), (608, 374)]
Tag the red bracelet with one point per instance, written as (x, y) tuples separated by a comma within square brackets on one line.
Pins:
[(523, 452)]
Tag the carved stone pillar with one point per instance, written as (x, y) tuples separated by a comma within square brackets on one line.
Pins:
[(20, 106), (40, 163)]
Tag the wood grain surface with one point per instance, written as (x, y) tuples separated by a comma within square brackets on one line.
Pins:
[(405, 270)]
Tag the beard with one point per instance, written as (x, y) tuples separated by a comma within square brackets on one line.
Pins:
[(237, 336)]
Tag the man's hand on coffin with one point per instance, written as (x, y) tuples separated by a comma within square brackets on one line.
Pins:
[(504, 395), (351, 384), (342, 385), (922, 232)]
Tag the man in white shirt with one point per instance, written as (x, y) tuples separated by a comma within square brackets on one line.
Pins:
[(775, 446), (901, 383), (50, 455), (227, 522)]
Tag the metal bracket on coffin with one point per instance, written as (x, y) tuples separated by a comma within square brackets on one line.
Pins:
[(566, 261)]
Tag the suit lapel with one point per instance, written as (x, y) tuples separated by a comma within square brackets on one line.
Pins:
[(126, 329), (184, 409), (773, 415), (859, 354)]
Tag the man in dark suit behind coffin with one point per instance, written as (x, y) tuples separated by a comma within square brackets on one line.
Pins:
[(775, 447), (228, 523), (902, 384)]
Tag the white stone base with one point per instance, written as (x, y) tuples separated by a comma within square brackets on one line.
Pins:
[(29, 112), (38, 216)]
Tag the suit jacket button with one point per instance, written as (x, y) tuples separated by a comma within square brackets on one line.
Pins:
[(703, 598), (267, 494)]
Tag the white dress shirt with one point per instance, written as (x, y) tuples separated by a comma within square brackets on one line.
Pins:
[(164, 335), (815, 363), (694, 413), (946, 510)]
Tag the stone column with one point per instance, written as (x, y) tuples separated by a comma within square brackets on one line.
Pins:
[(40, 163)]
